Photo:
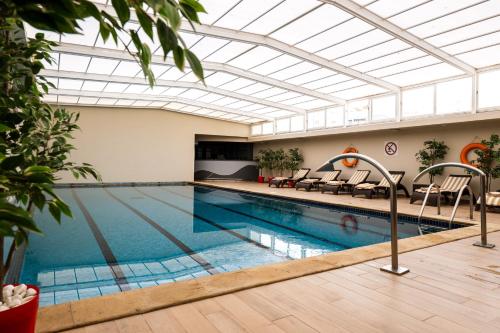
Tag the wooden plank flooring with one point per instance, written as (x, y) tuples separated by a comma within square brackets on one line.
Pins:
[(454, 287)]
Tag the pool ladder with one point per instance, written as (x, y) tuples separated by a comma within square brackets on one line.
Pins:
[(438, 204)]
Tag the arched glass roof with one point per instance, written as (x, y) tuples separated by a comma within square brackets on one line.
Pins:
[(269, 59)]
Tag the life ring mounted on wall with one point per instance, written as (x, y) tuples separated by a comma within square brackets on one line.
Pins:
[(347, 163), (464, 154), (349, 224)]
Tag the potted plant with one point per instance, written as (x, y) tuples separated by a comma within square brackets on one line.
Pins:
[(269, 162), (434, 151), (261, 165), (489, 161), (34, 137), (280, 158), (294, 159)]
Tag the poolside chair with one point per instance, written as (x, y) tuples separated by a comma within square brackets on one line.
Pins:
[(340, 185), (449, 188), (311, 183), (281, 181), (369, 189), (492, 201)]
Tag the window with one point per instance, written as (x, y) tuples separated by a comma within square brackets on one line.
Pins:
[(316, 119), (283, 125), (384, 108), (454, 96), (256, 130), (418, 102), (335, 116), (267, 128), (297, 123), (488, 89), (357, 112)]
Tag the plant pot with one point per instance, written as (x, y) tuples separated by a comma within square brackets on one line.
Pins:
[(261, 179), (22, 318), (269, 179), (291, 183)]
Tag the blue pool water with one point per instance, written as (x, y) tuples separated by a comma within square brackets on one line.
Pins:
[(123, 238)]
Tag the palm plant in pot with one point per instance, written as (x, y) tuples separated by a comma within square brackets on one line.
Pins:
[(294, 159), (34, 136), (433, 152), (261, 164), (489, 160)]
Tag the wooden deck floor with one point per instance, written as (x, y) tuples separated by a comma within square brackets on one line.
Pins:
[(454, 287)]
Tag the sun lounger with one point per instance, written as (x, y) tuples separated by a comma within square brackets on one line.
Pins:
[(281, 181), (369, 189), (336, 186), (449, 188), (311, 183)]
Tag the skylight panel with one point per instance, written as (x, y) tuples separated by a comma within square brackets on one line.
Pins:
[(483, 57), (361, 91), (158, 70), (253, 120), (157, 104), (228, 52), (141, 103), (203, 111), (215, 9), (87, 100), (127, 68), (229, 116), (241, 118), (473, 30), (236, 84), (269, 92), (265, 110), (337, 34), (73, 63), (405, 66), (124, 102), (280, 113), (172, 74), (55, 62), (107, 101), (70, 84), (189, 38), (174, 91), (354, 44), (341, 86), (429, 11), (254, 88), (156, 90), (219, 78), (115, 87), (191, 77), (390, 60), (49, 35), (283, 96), (421, 75), (380, 50), (67, 99), (276, 64), (217, 114), (207, 46), (153, 44), (245, 12), (193, 94), (254, 57), (252, 108), (89, 85), (209, 98), (297, 100), (461, 18), (110, 43), (327, 81), (454, 96), (488, 89), (313, 104), (239, 104), (88, 28), (318, 20), (102, 66), (54, 81), (224, 101), (473, 44), (136, 89), (386, 8), (175, 106), (190, 108), (50, 98), (311, 76), (294, 70)]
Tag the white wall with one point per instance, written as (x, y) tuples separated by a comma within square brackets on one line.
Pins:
[(142, 145), (317, 150)]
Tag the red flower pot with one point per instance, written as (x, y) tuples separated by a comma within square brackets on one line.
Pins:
[(291, 183), (260, 179), (22, 318), (269, 179)]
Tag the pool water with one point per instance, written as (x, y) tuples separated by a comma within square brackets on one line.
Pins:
[(123, 238)]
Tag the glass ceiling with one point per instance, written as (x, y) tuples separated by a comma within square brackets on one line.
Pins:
[(267, 59)]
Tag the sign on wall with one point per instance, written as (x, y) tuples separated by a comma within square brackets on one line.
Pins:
[(391, 148)]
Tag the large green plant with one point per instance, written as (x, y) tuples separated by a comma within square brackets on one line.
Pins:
[(261, 161), (294, 159), (434, 151), (279, 160), (268, 156), (34, 137), (489, 161)]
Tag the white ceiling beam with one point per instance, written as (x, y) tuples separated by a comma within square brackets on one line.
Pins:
[(247, 37), (213, 66), (371, 18), (168, 83), (154, 98)]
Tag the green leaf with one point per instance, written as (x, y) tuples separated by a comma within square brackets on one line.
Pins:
[(145, 21), (122, 10), (55, 211), (171, 14), (195, 5), (4, 128), (168, 39), (12, 162), (17, 216), (195, 65), (179, 57)]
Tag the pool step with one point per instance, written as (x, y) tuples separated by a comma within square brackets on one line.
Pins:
[(429, 229)]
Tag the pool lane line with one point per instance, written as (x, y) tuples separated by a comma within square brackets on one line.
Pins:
[(212, 223), (319, 219), (106, 251), (186, 249), (325, 240)]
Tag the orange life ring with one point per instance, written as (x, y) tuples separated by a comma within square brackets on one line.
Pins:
[(349, 229), (346, 162), (464, 154)]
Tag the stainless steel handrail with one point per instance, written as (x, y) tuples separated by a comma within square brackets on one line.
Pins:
[(471, 203), (424, 203), (482, 177), (394, 267)]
